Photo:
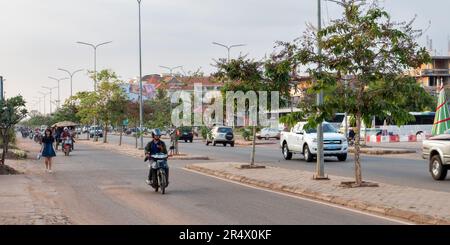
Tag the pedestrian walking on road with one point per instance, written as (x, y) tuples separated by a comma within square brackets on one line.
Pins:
[(47, 151)]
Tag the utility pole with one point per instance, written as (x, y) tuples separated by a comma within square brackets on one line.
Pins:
[(141, 99), (1, 88), (320, 168), (45, 97), (95, 47), (51, 93), (59, 88)]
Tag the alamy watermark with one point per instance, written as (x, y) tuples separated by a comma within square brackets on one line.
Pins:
[(206, 108)]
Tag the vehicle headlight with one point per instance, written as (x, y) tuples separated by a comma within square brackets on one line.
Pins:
[(314, 140), (344, 140)]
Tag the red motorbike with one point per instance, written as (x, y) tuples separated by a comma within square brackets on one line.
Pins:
[(67, 145)]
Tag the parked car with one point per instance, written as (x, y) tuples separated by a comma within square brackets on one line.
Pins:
[(269, 133), (187, 136), (437, 151), (221, 135), (304, 141), (96, 131)]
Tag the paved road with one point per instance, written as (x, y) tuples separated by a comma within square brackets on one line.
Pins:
[(102, 187), (409, 170)]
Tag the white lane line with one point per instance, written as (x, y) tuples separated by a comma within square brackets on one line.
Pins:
[(303, 198)]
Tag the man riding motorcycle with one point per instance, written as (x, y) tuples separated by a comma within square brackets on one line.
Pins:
[(66, 134), (154, 147)]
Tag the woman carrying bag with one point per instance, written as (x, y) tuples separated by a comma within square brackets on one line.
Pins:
[(47, 151)]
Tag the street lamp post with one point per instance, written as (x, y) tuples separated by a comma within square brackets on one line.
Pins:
[(320, 168), (59, 88), (50, 93), (95, 47), (1, 88), (39, 102), (141, 99), (171, 69), (45, 97), (229, 48), (71, 74)]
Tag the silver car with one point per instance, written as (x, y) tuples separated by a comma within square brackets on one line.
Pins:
[(269, 133), (221, 135)]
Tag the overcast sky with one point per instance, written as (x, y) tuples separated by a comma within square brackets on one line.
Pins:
[(37, 37)]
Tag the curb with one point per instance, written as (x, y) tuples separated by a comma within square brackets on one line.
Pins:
[(383, 151), (387, 211), (141, 155)]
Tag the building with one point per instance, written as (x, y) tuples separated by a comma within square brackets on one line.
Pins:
[(428, 75)]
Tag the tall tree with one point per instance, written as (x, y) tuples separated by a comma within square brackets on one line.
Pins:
[(111, 100), (246, 75), (12, 111), (365, 58)]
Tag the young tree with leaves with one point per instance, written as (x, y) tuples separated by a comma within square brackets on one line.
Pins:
[(365, 58), (12, 111), (247, 75)]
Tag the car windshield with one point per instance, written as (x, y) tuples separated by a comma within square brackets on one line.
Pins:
[(225, 130), (327, 128)]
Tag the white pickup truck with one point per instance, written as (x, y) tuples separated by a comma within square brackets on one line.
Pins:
[(304, 141), (437, 151)]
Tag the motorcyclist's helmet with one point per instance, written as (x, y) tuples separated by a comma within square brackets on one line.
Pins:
[(156, 132), (66, 129)]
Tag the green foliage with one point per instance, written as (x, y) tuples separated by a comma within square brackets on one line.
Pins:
[(68, 112), (365, 58), (159, 116), (12, 111), (38, 120), (247, 134), (205, 132)]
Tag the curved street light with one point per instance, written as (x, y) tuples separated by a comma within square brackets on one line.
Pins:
[(71, 74), (171, 69), (229, 47), (59, 88)]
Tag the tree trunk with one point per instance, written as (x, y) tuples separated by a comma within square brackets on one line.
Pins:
[(5, 143), (105, 134), (136, 136), (254, 146), (358, 171), (120, 138)]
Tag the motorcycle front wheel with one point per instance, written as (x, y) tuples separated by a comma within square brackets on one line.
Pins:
[(162, 181)]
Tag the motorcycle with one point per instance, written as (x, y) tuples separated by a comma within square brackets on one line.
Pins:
[(67, 146), (159, 163)]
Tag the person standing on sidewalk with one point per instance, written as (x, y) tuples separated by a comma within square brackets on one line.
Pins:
[(47, 150)]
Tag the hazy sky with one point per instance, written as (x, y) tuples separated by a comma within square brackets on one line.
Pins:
[(37, 37)]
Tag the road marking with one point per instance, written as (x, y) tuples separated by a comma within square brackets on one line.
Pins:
[(304, 199)]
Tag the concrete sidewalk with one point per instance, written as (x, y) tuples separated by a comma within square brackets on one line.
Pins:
[(27, 200), (411, 204)]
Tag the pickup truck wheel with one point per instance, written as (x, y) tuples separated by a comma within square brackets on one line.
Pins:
[(342, 158), (438, 170), (232, 144), (287, 155), (307, 154), (214, 143)]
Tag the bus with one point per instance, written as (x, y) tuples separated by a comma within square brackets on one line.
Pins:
[(422, 125)]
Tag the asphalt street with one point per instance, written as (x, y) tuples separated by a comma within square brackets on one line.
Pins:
[(408, 170), (102, 187)]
